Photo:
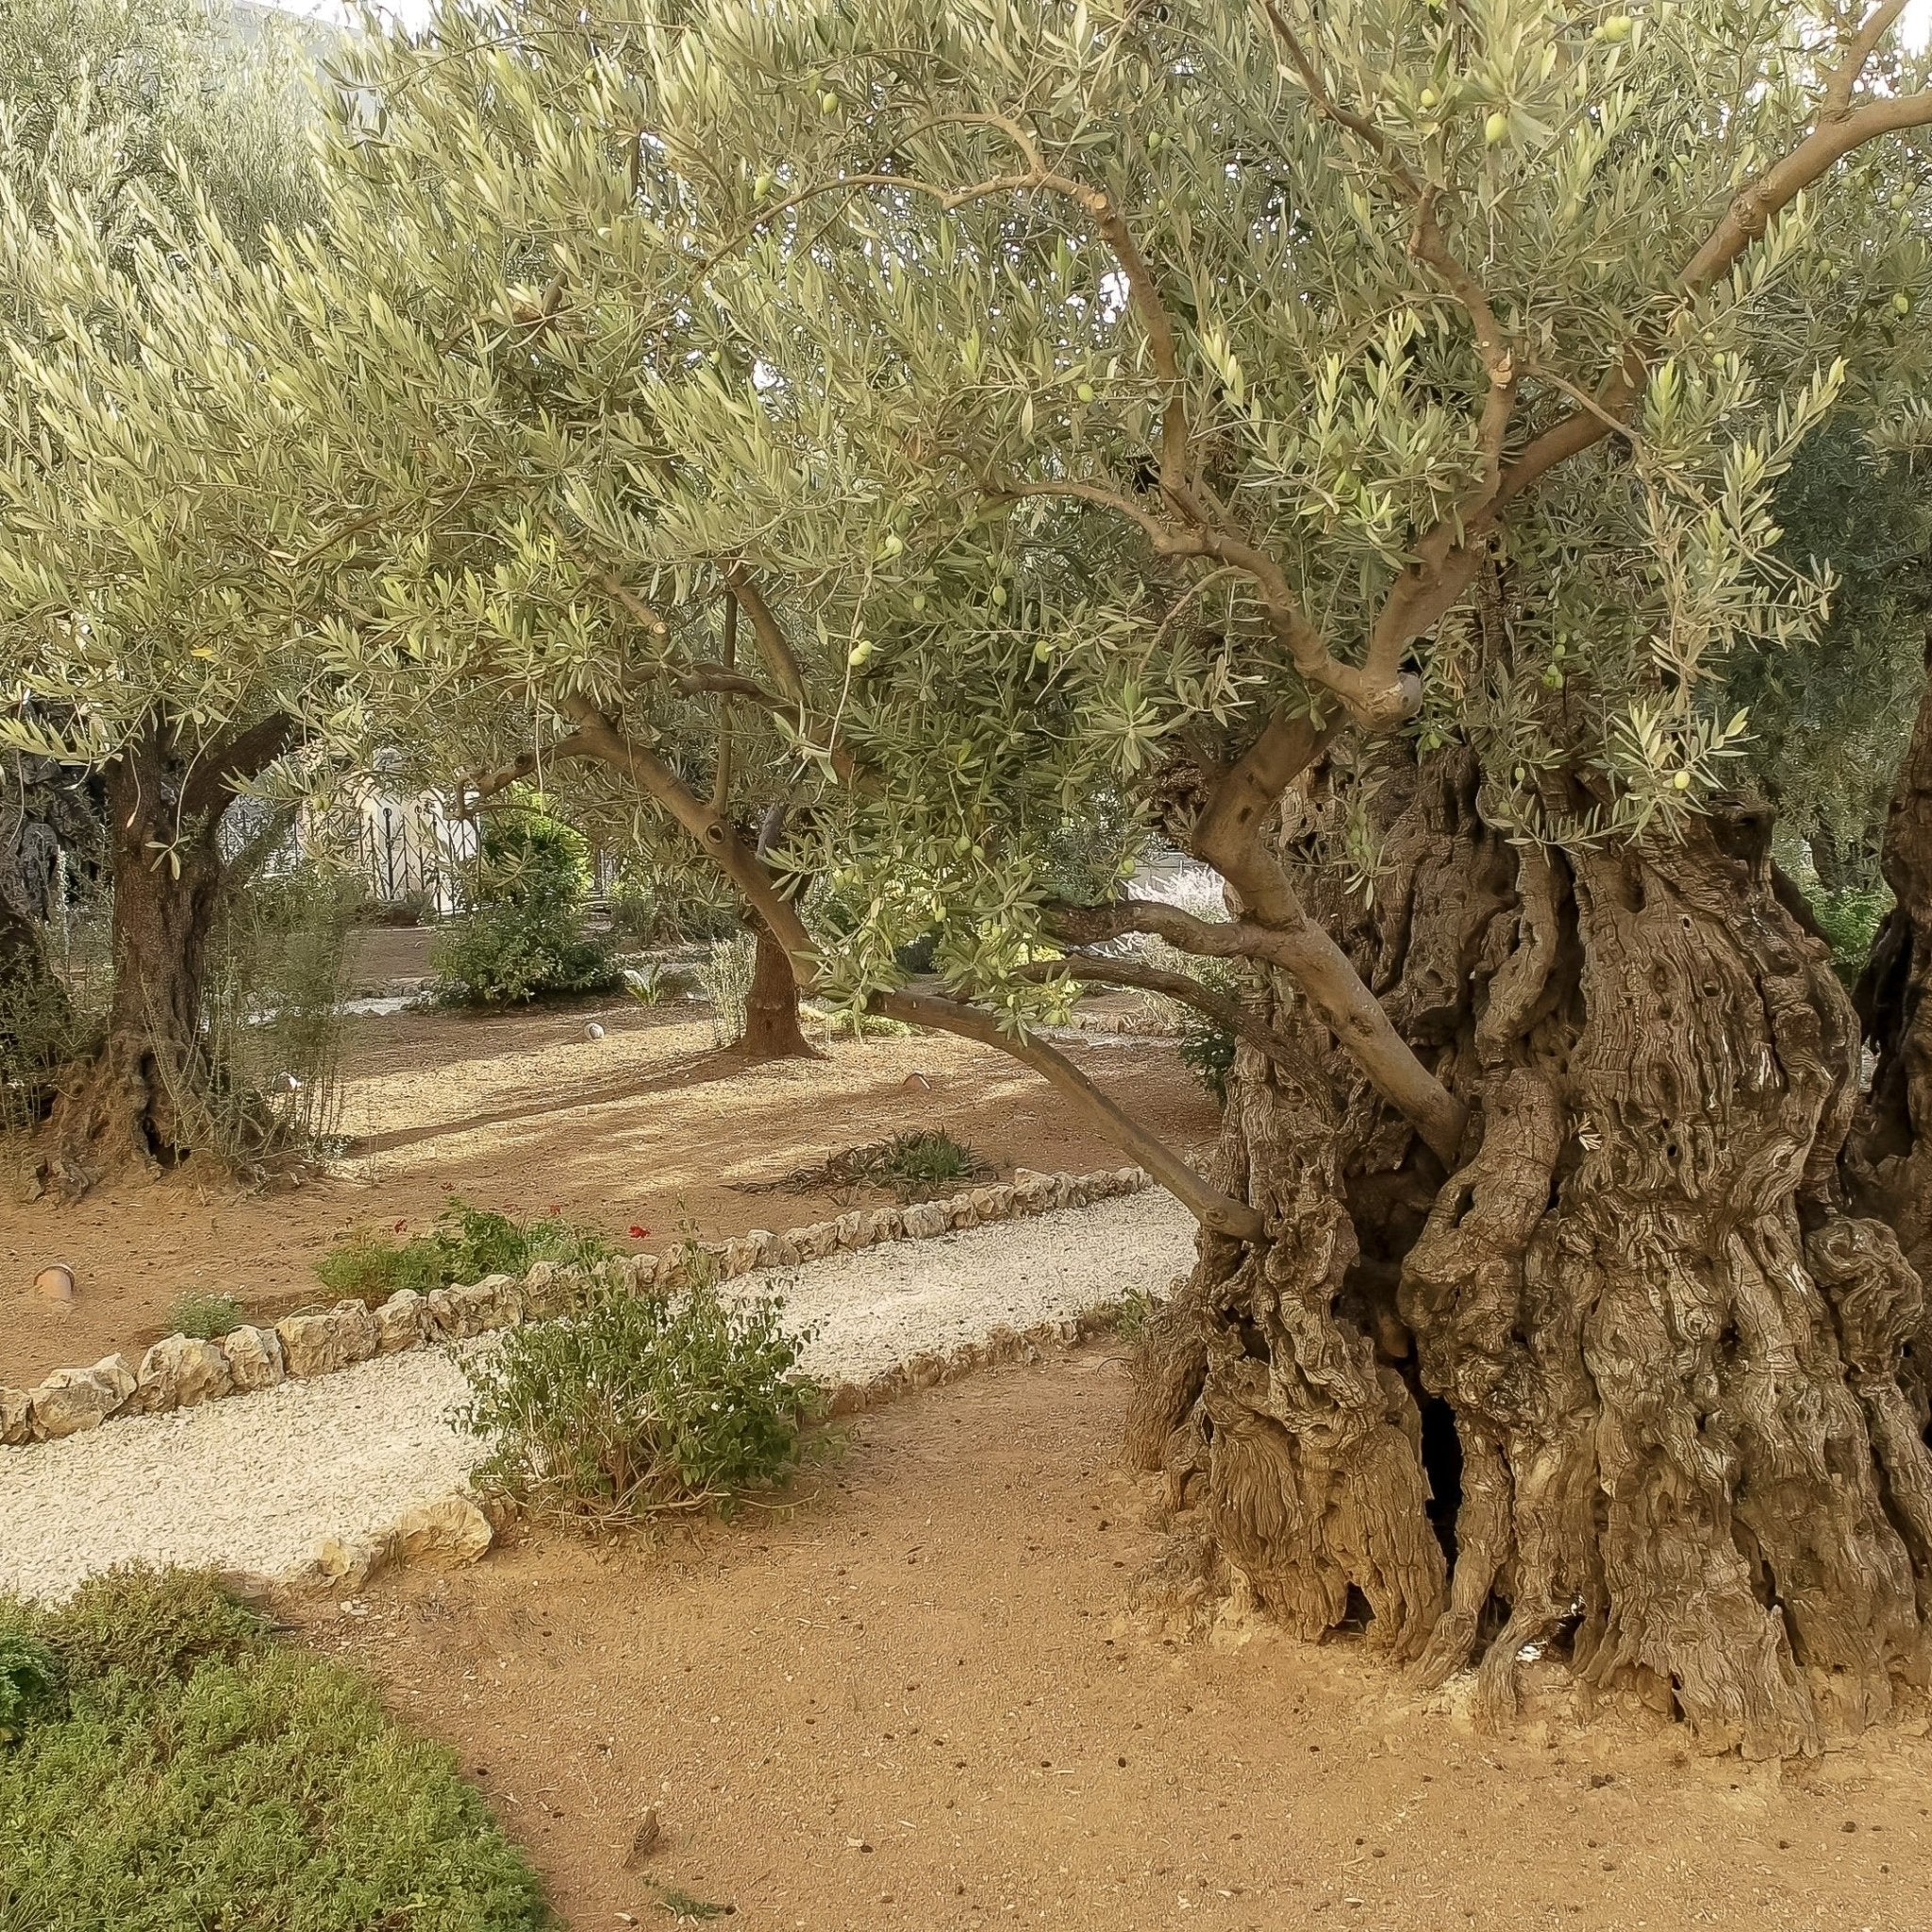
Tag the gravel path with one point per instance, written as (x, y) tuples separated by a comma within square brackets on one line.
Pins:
[(255, 1482)]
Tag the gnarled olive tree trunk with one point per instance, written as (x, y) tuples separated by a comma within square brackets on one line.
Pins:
[(1649, 1363), (132, 1103), (1888, 1160)]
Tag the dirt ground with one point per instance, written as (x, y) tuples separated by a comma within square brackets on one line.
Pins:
[(649, 1127), (915, 1701)]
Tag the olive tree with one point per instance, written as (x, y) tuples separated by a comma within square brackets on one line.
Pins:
[(1351, 435), (117, 121)]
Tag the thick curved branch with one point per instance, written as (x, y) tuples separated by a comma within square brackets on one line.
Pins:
[(1222, 1010), (1277, 931), (1207, 1205), (218, 777)]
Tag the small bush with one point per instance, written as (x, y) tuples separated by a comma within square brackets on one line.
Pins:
[(205, 1317), (655, 984), (640, 1405), (465, 1244), (726, 978), (194, 1771), (521, 938), (928, 1162)]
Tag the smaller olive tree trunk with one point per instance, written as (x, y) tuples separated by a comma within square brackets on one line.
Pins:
[(772, 1028), (127, 1106)]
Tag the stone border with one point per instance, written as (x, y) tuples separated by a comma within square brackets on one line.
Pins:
[(180, 1372)]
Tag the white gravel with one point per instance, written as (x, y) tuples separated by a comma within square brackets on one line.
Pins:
[(255, 1482)]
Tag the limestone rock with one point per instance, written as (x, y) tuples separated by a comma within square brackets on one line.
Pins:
[(781, 1251), (739, 1257), (851, 1228), (993, 1202), (925, 1219), (16, 1416), (357, 1333), (1131, 1179), (1032, 1193), (254, 1356), (399, 1321), (177, 1372), (960, 1212), (453, 1527), (312, 1344), (71, 1400), (883, 1225)]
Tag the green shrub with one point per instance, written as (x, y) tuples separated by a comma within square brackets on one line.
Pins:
[(521, 938), (637, 1405), (653, 983), (925, 1163), (205, 1316), (198, 1773), (1206, 1050), (465, 1244)]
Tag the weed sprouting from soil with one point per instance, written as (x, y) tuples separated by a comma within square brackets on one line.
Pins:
[(205, 1317)]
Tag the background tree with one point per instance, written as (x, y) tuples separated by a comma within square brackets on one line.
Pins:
[(116, 121)]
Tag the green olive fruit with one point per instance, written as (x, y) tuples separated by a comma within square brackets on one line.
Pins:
[(1496, 128)]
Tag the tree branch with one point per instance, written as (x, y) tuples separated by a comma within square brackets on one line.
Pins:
[(218, 777), (1207, 1205), (1224, 1011), (715, 837)]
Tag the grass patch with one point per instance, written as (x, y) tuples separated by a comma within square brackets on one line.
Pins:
[(640, 1404), (465, 1244), (187, 1770), (205, 1317)]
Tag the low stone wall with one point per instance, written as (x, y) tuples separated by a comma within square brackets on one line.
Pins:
[(179, 1371)]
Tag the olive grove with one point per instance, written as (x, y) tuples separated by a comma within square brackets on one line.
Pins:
[(859, 436)]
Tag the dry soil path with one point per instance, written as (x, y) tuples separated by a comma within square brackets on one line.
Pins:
[(255, 1482)]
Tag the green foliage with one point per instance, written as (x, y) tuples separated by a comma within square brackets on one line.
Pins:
[(198, 1773), (1207, 1049), (1849, 919), (205, 1316), (146, 1627), (30, 1683), (272, 1033), (465, 1244), (1135, 1313), (640, 1405), (917, 1165), (655, 984), (522, 937)]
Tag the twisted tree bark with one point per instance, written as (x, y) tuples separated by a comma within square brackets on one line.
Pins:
[(1673, 1362)]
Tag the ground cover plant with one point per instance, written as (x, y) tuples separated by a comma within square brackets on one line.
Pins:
[(1350, 438), (639, 1406), (464, 1244), (165, 1761)]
